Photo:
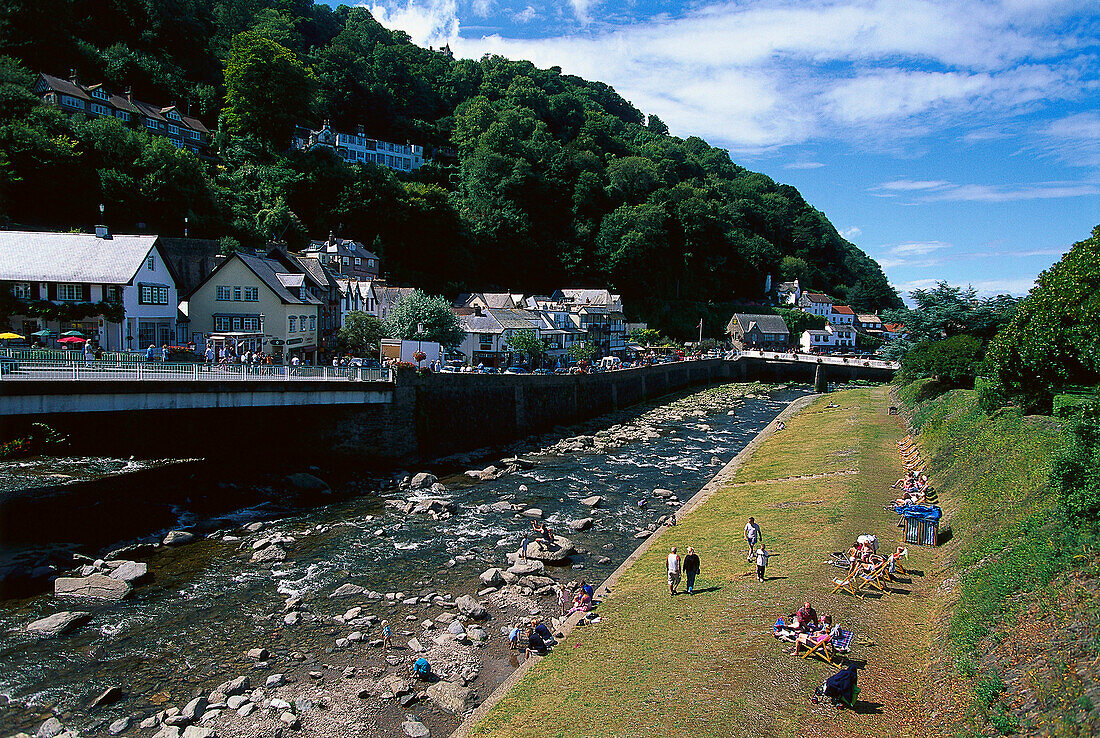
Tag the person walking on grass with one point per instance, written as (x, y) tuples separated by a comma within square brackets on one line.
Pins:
[(762, 556), (691, 569), (752, 537), (673, 571)]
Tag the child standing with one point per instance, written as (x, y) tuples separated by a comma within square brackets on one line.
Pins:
[(762, 557), (387, 634)]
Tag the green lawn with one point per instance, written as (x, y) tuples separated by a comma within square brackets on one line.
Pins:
[(707, 665)]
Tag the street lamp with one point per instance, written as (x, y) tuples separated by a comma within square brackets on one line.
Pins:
[(419, 338), (185, 226)]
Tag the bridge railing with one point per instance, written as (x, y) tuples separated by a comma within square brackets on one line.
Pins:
[(854, 361), (69, 370)]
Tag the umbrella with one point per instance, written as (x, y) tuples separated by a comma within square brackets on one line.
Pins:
[(73, 334), (44, 333), (9, 335), (72, 339)]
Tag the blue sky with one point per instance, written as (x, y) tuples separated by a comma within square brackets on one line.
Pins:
[(949, 139)]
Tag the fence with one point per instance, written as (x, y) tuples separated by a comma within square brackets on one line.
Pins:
[(68, 370)]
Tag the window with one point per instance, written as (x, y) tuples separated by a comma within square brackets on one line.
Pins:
[(223, 292), (370, 263), (236, 322), (21, 290), (151, 263), (236, 294), (358, 261), (72, 102), (70, 292), (251, 294), (173, 130), (250, 323), (293, 322), (301, 322), (122, 115), (150, 123), (194, 134), (152, 294), (99, 93), (174, 115), (112, 293), (100, 109), (313, 322), (223, 323)]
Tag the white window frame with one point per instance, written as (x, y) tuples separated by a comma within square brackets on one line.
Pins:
[(21, 290), (70, 292), (251, 294), (292, 321)]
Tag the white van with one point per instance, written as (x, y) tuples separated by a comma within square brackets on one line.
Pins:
[(608, 363)]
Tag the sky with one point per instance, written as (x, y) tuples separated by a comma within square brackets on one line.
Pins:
[(953, 140)]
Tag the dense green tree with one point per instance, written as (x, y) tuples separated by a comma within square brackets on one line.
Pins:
[(360, 334), (528, 344), (434, 314), (952, 361), (1052, 342), (267, 89)]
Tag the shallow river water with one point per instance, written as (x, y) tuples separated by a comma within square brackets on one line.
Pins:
[(186, 628)]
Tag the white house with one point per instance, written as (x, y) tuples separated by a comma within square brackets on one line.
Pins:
[(816, 303), (788, 293), (842, 315), (117, 290), (359, 148), (823, 341)]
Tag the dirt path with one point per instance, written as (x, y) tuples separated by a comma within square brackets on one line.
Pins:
[(707, 665)]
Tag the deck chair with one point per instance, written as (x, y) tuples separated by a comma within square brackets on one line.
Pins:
[(848, 584), (831, 650), (874, 577)]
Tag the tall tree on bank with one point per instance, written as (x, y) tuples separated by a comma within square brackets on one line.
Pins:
[(268, 89), (433, 314)]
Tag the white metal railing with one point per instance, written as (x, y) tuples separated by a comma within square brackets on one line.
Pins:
[(68, 370), (856, 361)]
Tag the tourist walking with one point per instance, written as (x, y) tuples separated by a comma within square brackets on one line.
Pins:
[(691, 569), (387, 634), (673, 571), (762, 556), (752, 537)]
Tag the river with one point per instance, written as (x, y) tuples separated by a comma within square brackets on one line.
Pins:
[(185, 630)]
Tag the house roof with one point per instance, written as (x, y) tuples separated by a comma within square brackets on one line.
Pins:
[(787, 286), (480, 324), (515, 319), (340, 247), (843, 310), (312, 264), (894, 327), (271, 273), (765, 323), (814, 332), (291, 280), (27, 256), (868, 318), (591, 297), (817, 297), (839, 328)]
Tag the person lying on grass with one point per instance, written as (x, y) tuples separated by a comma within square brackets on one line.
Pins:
[(826, 632)]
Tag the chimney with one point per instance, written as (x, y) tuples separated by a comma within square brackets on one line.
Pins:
[(129, 94), (331, 239), (73, 78), (102, 232), (477, 310)]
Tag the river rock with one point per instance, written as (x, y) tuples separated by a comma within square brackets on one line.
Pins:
[(502, 506), (177, 537), (292, 618), (422, 480), (664, 494), (524, 568), (246, 709), (582, 524), (109, 696), (456, 628), (235, 702), (50, 728), (348, 590), (557, 550), (477, 634), (491, 577), (414, 728), (415, 645), (168, 731), (593, 501), (275, 680), (451, 697), (195, 731), (95, 586), (119, 726), (289, 719), (258, 654), (233, 687), (279, 704), (303, 482), (470, 607), (194, 708), (269, 555), (58, 623), (130, 571), (533, 512)]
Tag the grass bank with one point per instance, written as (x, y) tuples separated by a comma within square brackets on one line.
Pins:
[(1019, 642), (707, 665)]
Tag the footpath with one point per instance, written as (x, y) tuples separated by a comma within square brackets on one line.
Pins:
[(706, 664)]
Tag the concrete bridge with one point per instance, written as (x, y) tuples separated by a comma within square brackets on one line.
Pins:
[(380, 419)]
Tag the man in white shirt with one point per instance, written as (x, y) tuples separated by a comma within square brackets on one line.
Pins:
[(752, 536), (673, 571)]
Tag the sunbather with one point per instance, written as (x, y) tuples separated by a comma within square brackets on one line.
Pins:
[(808, 640), (582, 602)]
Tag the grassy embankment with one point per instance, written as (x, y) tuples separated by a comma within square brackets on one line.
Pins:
[(707, 665), (1019, 648)]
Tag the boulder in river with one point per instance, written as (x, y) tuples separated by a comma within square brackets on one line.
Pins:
[(593, 501), (347, 590), (558, 549), (451, 697), (524, 568), (95, 586), (307, 483), (176, 537), (470, 607), (130, 571), (414, 728), (533, 512), (579, 525), (268, 555), (423, 480), (491, 577), (58, 623)]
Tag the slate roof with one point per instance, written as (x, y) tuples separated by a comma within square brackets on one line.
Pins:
[(817, 297), (591, 297), (27, 256), (269, 271), (121, 102), (515, 319), (480, 324), (766, 323), (340, 247)]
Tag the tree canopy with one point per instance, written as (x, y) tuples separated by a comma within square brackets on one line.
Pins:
[(421, 317)]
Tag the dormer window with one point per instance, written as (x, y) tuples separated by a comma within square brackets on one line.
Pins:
[(174, 115), (99, 93)]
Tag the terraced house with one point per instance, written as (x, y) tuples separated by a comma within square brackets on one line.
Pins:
[(184, 131)]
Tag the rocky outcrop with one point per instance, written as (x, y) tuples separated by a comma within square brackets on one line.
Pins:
[(451, 697), (470, 607), (558, 549), (94, 586), (58, 623)]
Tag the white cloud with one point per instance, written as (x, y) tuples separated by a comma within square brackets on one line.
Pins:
[(919, 248), (803, 165), (428, 22), (526, 15), (1075, 139), (1018, 286), (941, 191), (851, 232), (481, 8), (582, 9)]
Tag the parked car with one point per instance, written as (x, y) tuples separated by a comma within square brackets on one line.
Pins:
[(490, 370), (516, 370)]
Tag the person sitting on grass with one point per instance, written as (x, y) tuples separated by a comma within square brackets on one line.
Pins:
[(808, 640), (805, 616), (582, 602)]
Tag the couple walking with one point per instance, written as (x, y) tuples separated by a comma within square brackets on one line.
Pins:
[(689, 566), (761, 554)]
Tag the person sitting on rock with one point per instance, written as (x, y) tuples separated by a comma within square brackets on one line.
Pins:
[(543, 632), (582, 602), (535, 643)]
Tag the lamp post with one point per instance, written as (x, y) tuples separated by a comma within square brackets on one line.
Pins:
[(185, 226), (419, 339)]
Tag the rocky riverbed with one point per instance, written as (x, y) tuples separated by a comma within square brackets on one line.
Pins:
[(267, 619)]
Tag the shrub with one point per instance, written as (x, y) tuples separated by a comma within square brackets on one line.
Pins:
[(1076, 471)]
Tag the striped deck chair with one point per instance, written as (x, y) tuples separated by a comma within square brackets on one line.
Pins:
[(874, 578), (848, 584), (831, 650)]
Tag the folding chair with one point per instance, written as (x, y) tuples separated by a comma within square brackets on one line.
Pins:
[(847, 584), (829, 650), (874, 577)]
